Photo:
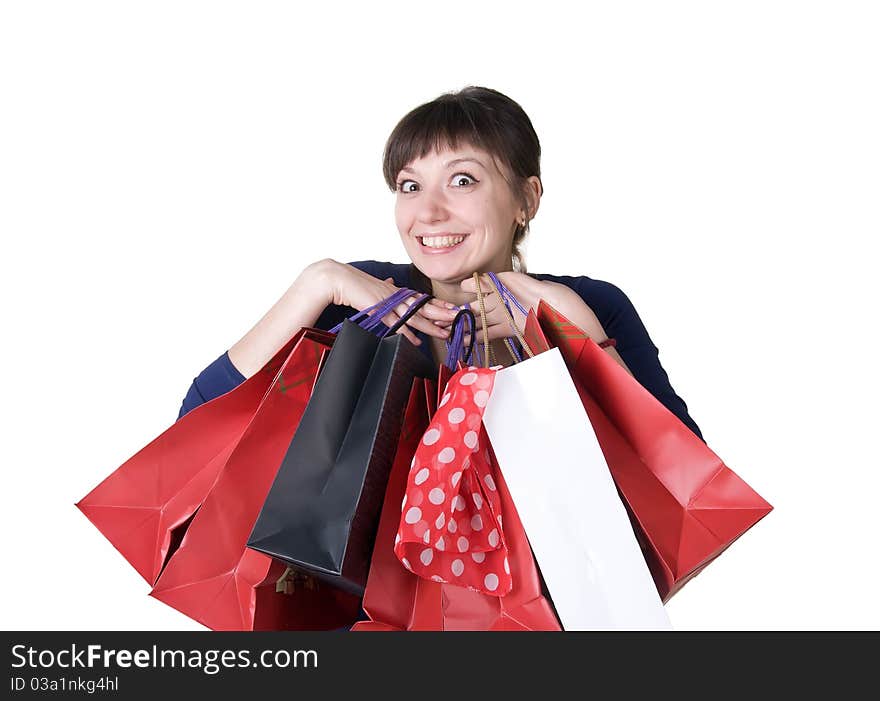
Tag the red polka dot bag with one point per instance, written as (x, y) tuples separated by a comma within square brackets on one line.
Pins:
[(451, 552), (459, 560), (451, 525)]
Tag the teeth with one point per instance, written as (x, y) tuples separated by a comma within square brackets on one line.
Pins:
[(441, 241)]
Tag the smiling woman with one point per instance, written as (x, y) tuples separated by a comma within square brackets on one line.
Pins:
[(465, 170), (457, 212), (474, 153)]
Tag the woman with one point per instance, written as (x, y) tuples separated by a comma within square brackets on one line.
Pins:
[(466, 171)]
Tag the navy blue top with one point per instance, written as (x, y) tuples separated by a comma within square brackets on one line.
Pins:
[(611, 306)]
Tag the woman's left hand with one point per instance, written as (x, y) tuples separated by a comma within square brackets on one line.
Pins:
[(528, 292)]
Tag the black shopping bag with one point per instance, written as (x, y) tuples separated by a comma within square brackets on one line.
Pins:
[(322, 511)]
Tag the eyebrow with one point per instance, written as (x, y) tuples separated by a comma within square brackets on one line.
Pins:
[(453, 162)]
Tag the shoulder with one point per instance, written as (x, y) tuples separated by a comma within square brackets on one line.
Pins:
[(399, 272)]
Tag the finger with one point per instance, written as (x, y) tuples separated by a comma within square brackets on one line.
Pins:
[(496, 331), (497, 312), (432, 328), (391, 319), (422, 324), (435, 312), (468, 285), (486, 305), (443, 304), (490, 307), (444, 314)]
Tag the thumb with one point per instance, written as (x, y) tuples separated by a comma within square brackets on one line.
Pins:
[(470, 285)]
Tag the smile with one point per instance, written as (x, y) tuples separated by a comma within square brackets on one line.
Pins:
[(440, 243)]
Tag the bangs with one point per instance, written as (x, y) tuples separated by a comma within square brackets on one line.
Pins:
[(446, 122)]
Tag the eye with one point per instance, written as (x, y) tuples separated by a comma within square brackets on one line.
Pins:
[(458, 177), (402, 185)]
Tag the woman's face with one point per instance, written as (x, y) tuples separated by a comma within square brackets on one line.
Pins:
[(456, 214)]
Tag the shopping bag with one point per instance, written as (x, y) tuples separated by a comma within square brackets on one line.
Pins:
[(322, 510), (578, 527), (213, 577), (398, 599), (686, 504), (390, 588), (145, 505)]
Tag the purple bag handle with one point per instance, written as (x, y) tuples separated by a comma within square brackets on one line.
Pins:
[(507, 297), (363, 318), (370, 319), (455, 350), (408, 314)]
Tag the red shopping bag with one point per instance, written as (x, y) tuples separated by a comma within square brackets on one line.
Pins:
[(397, 599), (213, 577), (144, 506), (686, 505)]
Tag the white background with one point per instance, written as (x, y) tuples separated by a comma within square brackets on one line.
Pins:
[(167, 169)]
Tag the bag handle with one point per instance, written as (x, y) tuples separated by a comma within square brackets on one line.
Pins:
[(455, 345), (489, 357), (370, 319), (408, 314), (495, 282), (507, 297)]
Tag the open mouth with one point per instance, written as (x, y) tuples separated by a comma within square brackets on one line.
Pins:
[(440, 244)]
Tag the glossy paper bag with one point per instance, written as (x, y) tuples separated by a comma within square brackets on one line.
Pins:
[(578, 528), (213, 577), (144, 506), (686, 504), (322, 510)]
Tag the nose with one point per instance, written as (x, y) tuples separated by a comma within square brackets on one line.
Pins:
[(432, 206)]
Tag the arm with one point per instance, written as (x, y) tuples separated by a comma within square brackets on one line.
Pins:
[(300, 306), (529, 291), (321, 285), (603, 311), (323, 291), (218, 378), (621, 321), (573, 307)]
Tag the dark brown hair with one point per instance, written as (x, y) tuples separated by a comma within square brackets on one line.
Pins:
[(481, 117)]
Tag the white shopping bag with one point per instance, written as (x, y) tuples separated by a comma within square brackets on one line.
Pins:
[(566, 498)]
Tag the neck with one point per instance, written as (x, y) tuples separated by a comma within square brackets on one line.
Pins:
[(451, 292)]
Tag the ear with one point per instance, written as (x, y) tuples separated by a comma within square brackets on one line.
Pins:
[(533, 191)]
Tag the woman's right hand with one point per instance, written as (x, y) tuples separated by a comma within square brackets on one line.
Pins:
[(351, 287)]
